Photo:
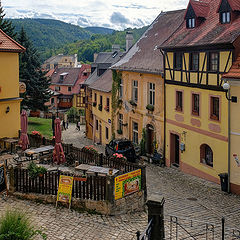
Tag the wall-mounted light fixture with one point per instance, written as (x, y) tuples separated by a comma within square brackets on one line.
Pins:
[(226, 86), (7, 109)]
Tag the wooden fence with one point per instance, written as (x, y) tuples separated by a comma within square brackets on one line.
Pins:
[(94, 188), (84, 156)]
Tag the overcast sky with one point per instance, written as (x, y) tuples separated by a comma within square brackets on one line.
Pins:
[(116, 14)]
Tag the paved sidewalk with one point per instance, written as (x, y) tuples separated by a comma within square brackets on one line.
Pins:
[(62, 224), (78, 139), (186, 196)]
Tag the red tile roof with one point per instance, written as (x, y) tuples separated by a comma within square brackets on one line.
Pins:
[(50, 72), (71, 75), (144, 55), (209, 32), (201, 8), (234, 71), (234, 4), (7, 44)]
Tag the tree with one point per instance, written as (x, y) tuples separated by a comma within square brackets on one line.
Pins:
[(6, 25), (37, 85)]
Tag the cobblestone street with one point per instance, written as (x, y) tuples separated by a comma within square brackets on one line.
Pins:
[(186, 196)]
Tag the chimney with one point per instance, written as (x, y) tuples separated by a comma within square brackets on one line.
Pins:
[(95, 57), (115, 47), (129, 40)]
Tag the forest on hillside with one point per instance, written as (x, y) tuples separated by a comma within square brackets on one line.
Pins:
[(51, 37)]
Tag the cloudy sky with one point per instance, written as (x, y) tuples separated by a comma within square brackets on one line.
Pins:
[(116, 14)]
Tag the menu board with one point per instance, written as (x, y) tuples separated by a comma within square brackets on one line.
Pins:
[(3, 179), (65, 189)]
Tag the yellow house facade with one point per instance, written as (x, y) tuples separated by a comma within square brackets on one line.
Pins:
[(9, 86), (145, 90), (140, 116), (232, 78), (101, 108), (196, 107)]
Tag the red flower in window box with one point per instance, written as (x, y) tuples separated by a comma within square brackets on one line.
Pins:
[(106, 108)]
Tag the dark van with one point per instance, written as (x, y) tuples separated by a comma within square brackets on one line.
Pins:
[(121, 146)]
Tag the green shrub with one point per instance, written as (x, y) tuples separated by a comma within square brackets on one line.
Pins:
[(73, 114), (15, 225), (34, 170)]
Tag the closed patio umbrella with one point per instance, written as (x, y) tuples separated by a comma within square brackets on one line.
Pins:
[(24, 142), (58, 154)]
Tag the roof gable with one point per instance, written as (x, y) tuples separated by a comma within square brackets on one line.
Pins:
[(209, 32), (234, 5), (199, 9), (7, 44), (144, 56), (224, 6)]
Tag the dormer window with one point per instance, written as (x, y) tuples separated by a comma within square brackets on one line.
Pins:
[(225, 11), (225, 17), (191, 23)]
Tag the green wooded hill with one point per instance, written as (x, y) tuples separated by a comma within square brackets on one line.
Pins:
[(49, 33), (52, 37), (97, 43), (99, 30)]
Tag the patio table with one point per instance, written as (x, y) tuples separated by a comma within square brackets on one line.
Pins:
[(40, 150), (94, 169)]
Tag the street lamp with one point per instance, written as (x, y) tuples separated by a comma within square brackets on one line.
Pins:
[(226, 86)]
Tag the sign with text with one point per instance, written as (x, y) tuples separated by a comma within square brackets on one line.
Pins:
[(65, 189), (127, 184), (3, 179)]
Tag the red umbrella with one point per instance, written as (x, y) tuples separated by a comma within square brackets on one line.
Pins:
[(24, 142), (58, 154)]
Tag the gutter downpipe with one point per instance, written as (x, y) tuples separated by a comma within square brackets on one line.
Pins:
[(229, 142), (164, 107)]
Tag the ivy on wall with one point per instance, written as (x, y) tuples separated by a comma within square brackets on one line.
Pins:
[(116, 76)]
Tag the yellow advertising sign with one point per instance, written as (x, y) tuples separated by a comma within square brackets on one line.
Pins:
[(65, 189), (127, 184)]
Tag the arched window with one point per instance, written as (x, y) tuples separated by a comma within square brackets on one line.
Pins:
[(206, 155)]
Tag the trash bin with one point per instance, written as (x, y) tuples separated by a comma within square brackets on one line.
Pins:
[(224, 181)]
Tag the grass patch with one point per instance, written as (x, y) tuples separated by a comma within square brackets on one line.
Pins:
[(15, 225), (42, 125)]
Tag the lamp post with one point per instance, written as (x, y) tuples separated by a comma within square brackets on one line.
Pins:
[(226, 86)]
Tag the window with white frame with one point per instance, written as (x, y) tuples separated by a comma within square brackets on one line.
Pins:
[(151, 93), (135, 133), (135, 90)]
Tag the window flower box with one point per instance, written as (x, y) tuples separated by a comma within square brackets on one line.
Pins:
[(100, 107), (106, 108), (133, 103), (150, 107), (119, 131)]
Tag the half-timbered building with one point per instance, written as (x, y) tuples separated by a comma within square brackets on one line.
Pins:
[(195, 56)]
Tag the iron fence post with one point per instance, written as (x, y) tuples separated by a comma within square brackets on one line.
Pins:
[(155, 212), (138, 235), (223, 228)]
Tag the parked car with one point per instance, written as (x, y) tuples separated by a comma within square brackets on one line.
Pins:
[(121, 146)]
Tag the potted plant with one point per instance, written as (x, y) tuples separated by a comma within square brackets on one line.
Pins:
[(100, 107), (150, 108), (106, 108), (120, 101), (119, 157), (119, 131), (90, 149), (41, 171), (94, 104), (34, 170), (133, 103)]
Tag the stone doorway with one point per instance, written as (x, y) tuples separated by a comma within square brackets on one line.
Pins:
[(150, 139)]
